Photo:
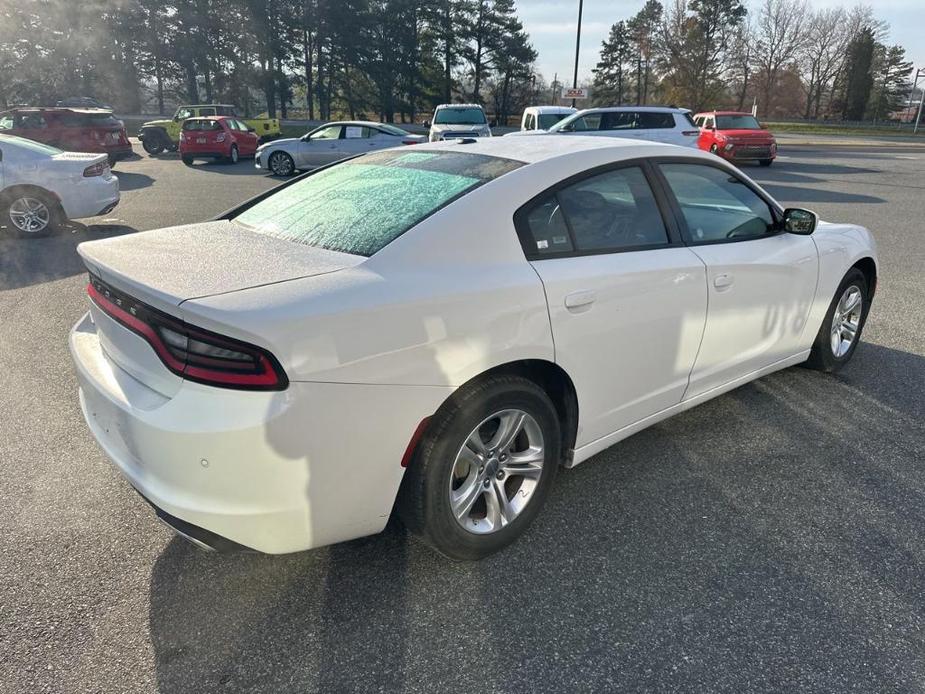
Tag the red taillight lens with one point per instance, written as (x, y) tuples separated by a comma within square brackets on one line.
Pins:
[(96, 169), (409, 142), (193, 353)]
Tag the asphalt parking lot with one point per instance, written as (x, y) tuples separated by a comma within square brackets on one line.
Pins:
[(769, 540)]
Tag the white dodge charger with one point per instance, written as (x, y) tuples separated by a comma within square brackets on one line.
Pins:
[(438, 330)]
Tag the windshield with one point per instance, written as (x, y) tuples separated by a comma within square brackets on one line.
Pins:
[(464, 115), (361, 205), (30, 145), (546, 120), (742, 122)]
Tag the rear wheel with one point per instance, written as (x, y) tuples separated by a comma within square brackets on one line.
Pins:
[(30, 214), (766, 162), (187, 160), (281, 164), (840, 332), (483, 468)]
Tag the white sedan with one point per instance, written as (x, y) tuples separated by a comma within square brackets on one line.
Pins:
[(42, 186), (330, 143), (438, 329)]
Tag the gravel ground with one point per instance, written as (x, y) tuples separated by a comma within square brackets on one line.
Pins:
[(769, 540)]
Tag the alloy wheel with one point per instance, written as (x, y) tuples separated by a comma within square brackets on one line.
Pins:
[(30, 215), (496, 471), (234, 154), (846, 320), (280, 164)]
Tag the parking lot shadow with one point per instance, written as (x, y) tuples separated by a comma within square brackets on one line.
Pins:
[(24, 261), (133, 181), (805, 193), (768, 540)]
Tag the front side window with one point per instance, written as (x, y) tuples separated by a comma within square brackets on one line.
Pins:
[(463, 115), (588, 121), (361, 205), (612, 211), (6, 122), (716, 205)]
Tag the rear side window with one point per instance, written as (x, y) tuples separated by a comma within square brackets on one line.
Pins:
[(618, 120), (655, 120), (716, 205), (611, 211), (361, 205)]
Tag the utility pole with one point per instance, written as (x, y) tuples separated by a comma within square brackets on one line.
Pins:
[(918, 115), (577, 46), (555, 84)]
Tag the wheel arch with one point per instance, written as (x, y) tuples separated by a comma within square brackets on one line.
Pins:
[(868, 267), (10, 192), (557, 384)]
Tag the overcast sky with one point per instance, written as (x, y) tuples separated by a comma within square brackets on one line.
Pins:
[(551, 25)]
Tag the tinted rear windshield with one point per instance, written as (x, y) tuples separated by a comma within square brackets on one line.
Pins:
[(361, 205), (201, 125), (460, 115)]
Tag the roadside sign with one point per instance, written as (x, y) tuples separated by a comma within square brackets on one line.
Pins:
[(576, 93)]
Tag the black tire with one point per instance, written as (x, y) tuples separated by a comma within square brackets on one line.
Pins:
[(233, 157), (52, 214), (714, 149), (766, 162), (823, 357), (187, 160), (280, 164), (424, 499), (153, 143)]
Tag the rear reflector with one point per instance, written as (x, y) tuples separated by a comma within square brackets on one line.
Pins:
[(413, 443), (190, 352), (96, 169)]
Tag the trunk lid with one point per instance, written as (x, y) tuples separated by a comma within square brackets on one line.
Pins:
[(165, 267)]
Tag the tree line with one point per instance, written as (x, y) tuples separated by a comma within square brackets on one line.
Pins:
[(784, 56), (388, 58)]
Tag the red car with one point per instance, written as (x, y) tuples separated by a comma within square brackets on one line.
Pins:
[(216, 137), (71, 129), (736, 136)]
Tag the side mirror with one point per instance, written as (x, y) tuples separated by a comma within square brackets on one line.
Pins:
[(426, 124), (799, 221), (251, 130)]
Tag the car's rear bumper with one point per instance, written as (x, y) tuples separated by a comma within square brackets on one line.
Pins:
[(210, 152), (275, 472), (90, 197)]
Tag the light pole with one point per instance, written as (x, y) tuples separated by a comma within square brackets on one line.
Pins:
[(577, 46)]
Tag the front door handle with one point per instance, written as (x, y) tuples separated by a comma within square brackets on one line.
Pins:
[(580, 301), (723, 281)]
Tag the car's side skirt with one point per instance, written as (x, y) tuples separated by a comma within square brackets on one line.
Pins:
[(590, 449)]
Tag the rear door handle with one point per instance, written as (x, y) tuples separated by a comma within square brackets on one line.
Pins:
[(580, 301), (723, 281)]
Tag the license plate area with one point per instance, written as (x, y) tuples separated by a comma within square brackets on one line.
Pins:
[(200, 140)]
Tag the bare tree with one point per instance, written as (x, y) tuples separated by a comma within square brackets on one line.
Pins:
[(780, 33), (822, 55)]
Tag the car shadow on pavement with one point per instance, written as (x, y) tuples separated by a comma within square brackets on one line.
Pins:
[(768, 540), (245, 167), (25, 261), (133, 181), (805, 193)]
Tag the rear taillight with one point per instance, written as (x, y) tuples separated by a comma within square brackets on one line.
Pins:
[(193, 353), (409, 142), (96, 169), (220, 137)]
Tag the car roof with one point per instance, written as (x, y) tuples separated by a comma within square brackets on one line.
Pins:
[(724, 113), (550, 109), (361, 123), (439, 106), (206, 105), (530, 149), (60, 109), (652, 109), (213, 118)]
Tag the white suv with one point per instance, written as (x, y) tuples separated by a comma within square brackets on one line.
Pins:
[(458, 120), (657, 123)]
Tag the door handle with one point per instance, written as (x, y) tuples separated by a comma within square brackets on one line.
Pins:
[(580, 301), (723, 281)]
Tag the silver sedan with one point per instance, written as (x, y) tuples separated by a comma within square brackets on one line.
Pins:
[(328, 144)]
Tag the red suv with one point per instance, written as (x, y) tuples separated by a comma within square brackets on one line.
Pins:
[(735, 136), (216, 137), (70, 129)]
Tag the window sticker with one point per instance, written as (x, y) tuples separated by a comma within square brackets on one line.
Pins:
[(354, 131), (542, 244)]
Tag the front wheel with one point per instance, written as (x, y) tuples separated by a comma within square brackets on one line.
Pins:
[(840, 332), (766, 162), (187, 160), (483, 469), (233, 156), (152, 144), (281, 164)]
